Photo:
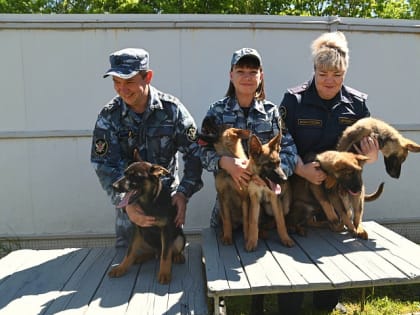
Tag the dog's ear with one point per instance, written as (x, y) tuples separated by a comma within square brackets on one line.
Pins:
[(157, 170), (243, 133), (330, 182), (274, 143), (136, 155), (411, 146), (255, 146)]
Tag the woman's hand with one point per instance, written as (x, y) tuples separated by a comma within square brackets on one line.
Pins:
[(313, 173), (369, 146), (137, 216), (310, 171), (236, 168)]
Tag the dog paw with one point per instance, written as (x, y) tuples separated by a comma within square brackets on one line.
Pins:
[(336, 226), (288, 242), (116, 272), (361, 233), (227, 240), (251, 245), (164, 278), (178, 259)]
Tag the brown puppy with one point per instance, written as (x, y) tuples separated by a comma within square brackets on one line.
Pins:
[(393, 145), (264, 163), (142, 184), (234, 201), (343, 190)]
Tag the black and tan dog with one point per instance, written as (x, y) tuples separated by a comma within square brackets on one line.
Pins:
[(343, 191), (143, 186), (242, 205), (274, 196), (393, 145)]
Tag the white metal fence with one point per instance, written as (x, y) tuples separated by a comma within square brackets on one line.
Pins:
[(52, 90)]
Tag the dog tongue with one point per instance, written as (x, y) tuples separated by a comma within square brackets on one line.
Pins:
[(124, 202), (275, 187)]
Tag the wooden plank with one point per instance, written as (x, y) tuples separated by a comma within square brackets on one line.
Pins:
[(373, 265), (297, 266), (224, 271), (186, 294), (329, 261), (39, 280), (144, 291), (195, 283), (113, 294), (263, 272), (84, 282), (395, 250)]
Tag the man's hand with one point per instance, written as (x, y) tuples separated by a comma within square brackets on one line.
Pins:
[(180, 202), (137, 216)]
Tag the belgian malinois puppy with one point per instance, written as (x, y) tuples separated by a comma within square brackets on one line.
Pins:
[(393, 145), (143, 186)]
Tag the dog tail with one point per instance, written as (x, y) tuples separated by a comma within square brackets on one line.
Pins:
[(376, 194)]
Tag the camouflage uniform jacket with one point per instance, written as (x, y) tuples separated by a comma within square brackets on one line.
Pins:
[(165, 128), (263, 120)]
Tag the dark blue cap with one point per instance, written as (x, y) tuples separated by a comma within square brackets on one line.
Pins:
[(127, 62)]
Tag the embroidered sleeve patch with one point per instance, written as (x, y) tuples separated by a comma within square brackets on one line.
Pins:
[(101, 147), (192, 134), (283, 112)]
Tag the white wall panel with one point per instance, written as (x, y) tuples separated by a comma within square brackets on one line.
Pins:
[(52, 90)]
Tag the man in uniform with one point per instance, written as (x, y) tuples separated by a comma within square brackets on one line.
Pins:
[(153, 123)]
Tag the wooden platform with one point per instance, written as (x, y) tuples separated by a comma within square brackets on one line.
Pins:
[(74, 281), (322, 260)]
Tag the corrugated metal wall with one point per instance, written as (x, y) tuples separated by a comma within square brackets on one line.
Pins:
[(52, 90)]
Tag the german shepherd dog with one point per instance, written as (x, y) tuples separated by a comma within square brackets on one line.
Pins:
[(393, 145), (234, 202), (343, 190), (143, 186), (242, 205)]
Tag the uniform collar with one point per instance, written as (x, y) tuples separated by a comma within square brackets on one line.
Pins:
[(153, 103), (312, 96), (258, 105)]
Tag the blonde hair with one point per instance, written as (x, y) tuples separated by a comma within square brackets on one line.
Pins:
[(330, 52)]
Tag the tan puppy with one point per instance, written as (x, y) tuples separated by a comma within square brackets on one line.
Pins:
[(343, 190), (242, 205), (393, 145)]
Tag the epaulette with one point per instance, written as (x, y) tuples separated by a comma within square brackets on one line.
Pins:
[(168, 97), (357, 93), (298, 89), (111, 106)]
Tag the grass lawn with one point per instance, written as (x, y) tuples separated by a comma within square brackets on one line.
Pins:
[(387, 300)]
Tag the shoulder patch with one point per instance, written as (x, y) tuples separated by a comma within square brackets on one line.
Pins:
[(283, 112), (101, 147), (192, 133)]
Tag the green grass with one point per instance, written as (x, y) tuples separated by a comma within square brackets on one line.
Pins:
[(387, 300)]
